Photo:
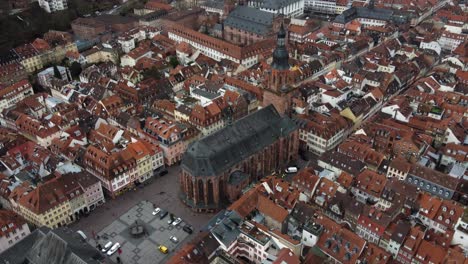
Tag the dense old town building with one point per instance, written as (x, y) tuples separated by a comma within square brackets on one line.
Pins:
[(367, 16), (216, 168), (288, 8), (13, 228), (11, 95), (218, 49)]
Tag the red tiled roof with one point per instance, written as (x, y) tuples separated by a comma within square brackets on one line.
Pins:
[(338, 242), (430, 253), (246, 203), (40, 45), (305, 180), (14, 89), (49, 195), (157, 5), (371, 182), (245, 86), (400, 164), (285, 255), (271, 209), (375, 254)]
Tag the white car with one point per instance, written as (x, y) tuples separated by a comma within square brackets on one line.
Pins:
[(156, 211), (113, 249), (107, 246), (291, 170), (177, 221), (174, 239)]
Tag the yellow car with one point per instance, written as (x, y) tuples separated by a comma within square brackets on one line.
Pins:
[(163, 249)]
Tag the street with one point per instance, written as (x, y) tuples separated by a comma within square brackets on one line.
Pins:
[(162, 191)]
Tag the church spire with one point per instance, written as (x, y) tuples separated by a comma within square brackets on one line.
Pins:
[(280, 55)]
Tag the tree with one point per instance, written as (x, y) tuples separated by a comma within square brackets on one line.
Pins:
[(57, 72), (173, 62), (152, 73), (75, 69)]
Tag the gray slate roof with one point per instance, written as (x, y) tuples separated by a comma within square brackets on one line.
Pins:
[(216, 153), (364, 12), (46, 246), (205, 93), (250, 19), (227, 230), (275, 4), (214, 4)]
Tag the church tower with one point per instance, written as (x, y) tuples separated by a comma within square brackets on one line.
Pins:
[(279, 78)]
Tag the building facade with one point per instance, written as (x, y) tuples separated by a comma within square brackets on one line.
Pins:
[(44, 77), (13, 228), (13, 94), (58, 202)]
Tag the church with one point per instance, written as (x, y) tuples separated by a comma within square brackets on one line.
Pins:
[(279, 78), (216, 168)]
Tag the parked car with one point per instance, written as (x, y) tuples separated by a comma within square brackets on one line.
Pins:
[(177, 221), (163, 214), (163, 249), (156, 211), (82, 234), (291, 170), (174, 239), (163, 172), (107, 246), (113, 249), (188, 229)]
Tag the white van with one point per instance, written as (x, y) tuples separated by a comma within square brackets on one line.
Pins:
[(291, 170), (81, 233), (107, 246)]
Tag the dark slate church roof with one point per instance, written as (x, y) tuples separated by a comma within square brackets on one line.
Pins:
[(250, 19), (218, 152), (46, 246)]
